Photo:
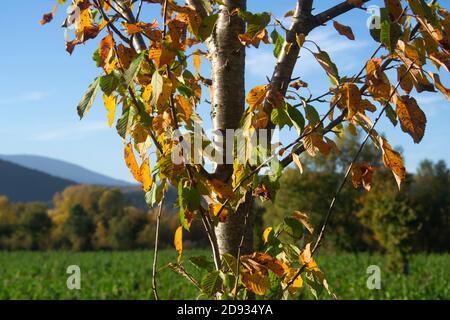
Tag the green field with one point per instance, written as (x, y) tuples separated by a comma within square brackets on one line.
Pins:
[(127, 275)]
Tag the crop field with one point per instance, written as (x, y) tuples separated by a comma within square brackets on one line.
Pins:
[(127, 275)]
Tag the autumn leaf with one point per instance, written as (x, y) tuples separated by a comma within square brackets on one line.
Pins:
[(266, 234), (178, 242), (344, 30), (184, 106), (330, 68), (131, 162), (297, 162), (214, 209), (256, 96), (257, 283), (439, 85), (352, 98), (393, 160), (222, 189), (362, 174), (147, 180), (197, 61), (394, 9), (303, 218), (406, 82), (110, 105), (106, 45), (378, 83), (48, 17), (412, 118), (296, 284)]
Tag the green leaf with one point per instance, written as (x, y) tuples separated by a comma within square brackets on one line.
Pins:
[(278, 40), (293, 227), (88, 98), (202, 262), (311, 114), (296, 117), (211, 282), (391, 114), (134, 69), (255, 22), (157, 87), (110, 82), (125, 121), (207, 26), (280, 117), (188, 198)]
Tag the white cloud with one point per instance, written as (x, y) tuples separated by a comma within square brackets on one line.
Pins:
[(32, 96), (71, 132)]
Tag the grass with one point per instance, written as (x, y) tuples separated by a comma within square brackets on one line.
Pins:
[(127, 275)]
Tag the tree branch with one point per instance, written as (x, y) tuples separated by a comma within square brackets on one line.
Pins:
[(198, 6), (334, 12)]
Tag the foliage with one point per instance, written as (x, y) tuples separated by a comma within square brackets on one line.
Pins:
[(153, 83)]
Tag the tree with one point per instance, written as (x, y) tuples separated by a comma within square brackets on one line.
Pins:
[(146, 70), (79, 227)]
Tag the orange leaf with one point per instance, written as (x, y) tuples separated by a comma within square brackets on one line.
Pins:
[(105, 49), (131, 162), (178, 242), (146, 176), (412, 118), (362, 175)]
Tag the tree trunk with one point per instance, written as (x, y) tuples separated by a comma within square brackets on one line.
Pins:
[(227, 56)]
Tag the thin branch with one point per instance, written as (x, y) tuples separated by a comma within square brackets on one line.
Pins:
[(238, 258), (334, 12), (181, 271), (155, 255)]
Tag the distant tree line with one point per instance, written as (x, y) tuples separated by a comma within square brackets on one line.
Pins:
[(385, 219)]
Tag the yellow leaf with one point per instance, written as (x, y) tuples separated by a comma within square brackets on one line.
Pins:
[(378, 83), (257, 283), (131, 162), (297, 161), (412, 118), (197, 61), (110, 105), (352, 98), (214, 209), (147, 180), (298, 282), (393, 160), (256, 96), (266, 234), (305, 255), (344, 30), (304, 220), (178, 242), (184, 105), (222, 189)]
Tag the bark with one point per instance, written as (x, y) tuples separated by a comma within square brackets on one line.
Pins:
[(227, 57)]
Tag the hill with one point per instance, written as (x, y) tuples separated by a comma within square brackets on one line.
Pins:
[(64, 170), (23, 184)]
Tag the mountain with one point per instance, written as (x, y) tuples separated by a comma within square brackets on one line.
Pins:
[(64, 170), (23, 184)]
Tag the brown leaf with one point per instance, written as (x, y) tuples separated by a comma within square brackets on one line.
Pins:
[(412, 118), (394, 9), (344, 30), (362, 174), (393, 160), (105, 49)]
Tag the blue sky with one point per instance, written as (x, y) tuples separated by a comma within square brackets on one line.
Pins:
[(41, 86)]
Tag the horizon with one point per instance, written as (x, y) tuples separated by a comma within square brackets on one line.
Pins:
[(45, 84)]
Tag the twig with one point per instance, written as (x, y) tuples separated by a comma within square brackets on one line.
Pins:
[(238, 258), (180, 270), (155, 255)]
